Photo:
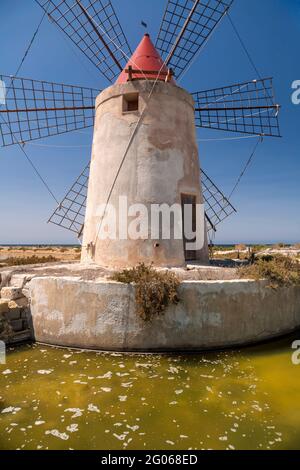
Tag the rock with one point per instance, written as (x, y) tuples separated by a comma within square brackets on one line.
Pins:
[(25, 314), (13, 314), (17, 325), (11, 293), (5, 278), (18, 303), (19, 280), (3, 306), (26, 292)]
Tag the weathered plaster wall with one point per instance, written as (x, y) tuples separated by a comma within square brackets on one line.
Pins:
[(211, 314), (161, 163)]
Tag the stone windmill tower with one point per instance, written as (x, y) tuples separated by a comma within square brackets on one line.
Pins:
[(145, 133), (144, 145)]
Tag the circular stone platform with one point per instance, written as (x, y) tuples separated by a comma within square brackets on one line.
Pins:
[(84, 310)]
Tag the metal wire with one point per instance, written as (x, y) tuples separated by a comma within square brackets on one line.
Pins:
[(244, 46), (185, 28), (248, 163), (42, 179), (36, 171), (37, 109), (248, 108), (32, 40), (68, 16)]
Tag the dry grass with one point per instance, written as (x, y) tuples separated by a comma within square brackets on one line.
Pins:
[(155, 290), (278, 270), (29, 260), (60, 253), (231, 256)]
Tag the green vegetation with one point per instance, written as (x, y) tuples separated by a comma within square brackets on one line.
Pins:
[(155, 290), (278, 270)]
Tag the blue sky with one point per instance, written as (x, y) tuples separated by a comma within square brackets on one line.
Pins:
[(268, 197)]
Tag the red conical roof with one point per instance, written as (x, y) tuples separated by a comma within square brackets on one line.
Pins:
[(147, 59)]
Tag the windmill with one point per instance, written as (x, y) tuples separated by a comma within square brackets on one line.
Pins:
[(38, 109)]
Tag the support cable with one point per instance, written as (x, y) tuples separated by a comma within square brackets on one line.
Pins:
[(248, 163), (228, 138), (32, 164), (30, 45), (246, 50)]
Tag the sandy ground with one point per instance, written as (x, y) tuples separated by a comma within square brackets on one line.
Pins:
[(93, 272), (60, 253), (65, 262), (289, 251)]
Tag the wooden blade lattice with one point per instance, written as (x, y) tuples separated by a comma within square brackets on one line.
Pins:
[(94, 29), (36, 109), (247, 108), (217, 206), (185, 28), (70, 213)]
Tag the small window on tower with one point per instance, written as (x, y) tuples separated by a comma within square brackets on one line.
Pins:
[(130, 102)]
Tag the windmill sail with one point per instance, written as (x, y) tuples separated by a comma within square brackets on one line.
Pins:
[(35, 109), (185, 28), (92, 25), (217, 206), (70, 213), (248, 108)]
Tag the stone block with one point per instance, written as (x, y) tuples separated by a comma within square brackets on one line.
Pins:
[(3, 306), (17, 325), (25, 292), (20, 280), (25, 314), (5, 278), (18, 303), (11, 293), (13, 314)]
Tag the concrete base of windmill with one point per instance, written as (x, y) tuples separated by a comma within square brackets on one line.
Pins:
[(101, 314)]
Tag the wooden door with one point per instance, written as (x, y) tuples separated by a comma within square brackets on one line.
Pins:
[(189, 199)]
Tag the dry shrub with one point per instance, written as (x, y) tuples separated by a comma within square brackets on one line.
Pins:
[(279, 270), (279, 246), (29, 260), (240, 247), (155, 290)]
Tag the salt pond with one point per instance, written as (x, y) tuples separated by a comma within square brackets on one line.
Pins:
[(64, 399)]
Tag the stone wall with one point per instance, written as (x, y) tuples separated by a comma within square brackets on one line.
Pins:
[(72, 305), (15, 324), (211, 314)]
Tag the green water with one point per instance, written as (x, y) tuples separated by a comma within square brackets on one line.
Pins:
[(62, 399)]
